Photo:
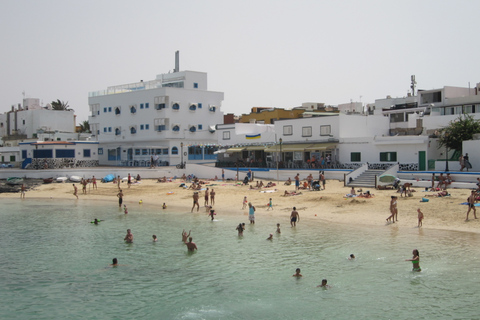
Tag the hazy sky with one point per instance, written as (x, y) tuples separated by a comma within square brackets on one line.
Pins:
[(259, 53)]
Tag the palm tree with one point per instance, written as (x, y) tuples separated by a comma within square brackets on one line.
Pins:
[(60, 105), (85, 126)]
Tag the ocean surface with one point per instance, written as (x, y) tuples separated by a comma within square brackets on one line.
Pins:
[(55, 265)]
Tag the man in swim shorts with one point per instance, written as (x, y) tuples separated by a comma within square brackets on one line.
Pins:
[(471, 205), (294, 217), (120, 198), (195, 201), (297, 181)]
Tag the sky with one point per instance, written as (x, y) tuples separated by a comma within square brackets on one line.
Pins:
[(259, 53)]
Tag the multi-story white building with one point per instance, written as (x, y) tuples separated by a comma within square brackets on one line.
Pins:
[(171, 118)]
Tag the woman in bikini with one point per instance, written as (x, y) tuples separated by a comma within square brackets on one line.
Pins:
[(415, 260)]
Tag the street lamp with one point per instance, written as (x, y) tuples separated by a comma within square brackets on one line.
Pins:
[(181, 150)]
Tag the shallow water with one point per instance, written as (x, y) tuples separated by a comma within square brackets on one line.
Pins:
[(55, 266)]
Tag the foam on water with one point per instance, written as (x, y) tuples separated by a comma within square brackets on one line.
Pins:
[(55, 265)]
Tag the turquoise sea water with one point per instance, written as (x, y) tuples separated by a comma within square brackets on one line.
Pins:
[(54, 265)]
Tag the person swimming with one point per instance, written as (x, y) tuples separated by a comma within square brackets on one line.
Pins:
[(114, 262), (154, 238), (297, 273), (352, 256)]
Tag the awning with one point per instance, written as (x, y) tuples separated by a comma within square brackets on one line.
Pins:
[(288, 147), (237, 149), (220, 151), (255, 148), (320, 146)]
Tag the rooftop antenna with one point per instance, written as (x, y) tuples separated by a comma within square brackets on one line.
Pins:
[(177, 61), (412, 77)]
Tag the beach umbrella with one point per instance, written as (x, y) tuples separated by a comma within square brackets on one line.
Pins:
[(387, 178)]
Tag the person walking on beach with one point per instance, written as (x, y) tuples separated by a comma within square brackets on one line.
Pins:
[(245, 202), (129, 180), (297, 181), (75, 190), (393, 209), (420, 217), (118, 182), (195, 201), (415, 260), (322, 179), (294, 217), (471, 205), (191, 246), (84, 183), (206, 197), (120, 198), (270, 205), (251, 213), (129, 237), (212, 197), (22, 191), (223, 175), (94, 182)]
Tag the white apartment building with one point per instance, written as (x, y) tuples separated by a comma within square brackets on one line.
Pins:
[(171, 118)]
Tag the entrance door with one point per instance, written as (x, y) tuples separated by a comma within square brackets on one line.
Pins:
[(422, 161)]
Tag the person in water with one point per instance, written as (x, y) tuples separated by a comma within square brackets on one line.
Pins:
[(129, 237), (278, 228), (352, 256), (212, 214), (96, 221), (415, 260), (114, 262), (324, 284), (191, 245), (297, 273), (240, 229), (270, 237), (154, 238)]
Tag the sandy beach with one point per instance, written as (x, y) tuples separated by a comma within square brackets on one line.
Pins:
[(329, 205)]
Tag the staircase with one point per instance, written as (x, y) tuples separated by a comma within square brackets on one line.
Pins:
[(366, 179)]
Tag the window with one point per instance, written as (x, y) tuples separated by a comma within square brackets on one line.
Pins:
[(174, 150), (12, 158), (199, 106), (162, 127), (113, 154), (104, 109), (397, 117), (133, 130), (43, 153), (98, 112), (355, 157), (86, 153), (176, 128), (109, 109), (144, 152), (117, 110), (105, 129), (118, 131), (147, 126), (192, 129), (160, 106), (287, 130), (23, 121), (306, 131), (200, 127), (141, 105), (195, 85), (133, 109), (109, 129), (192, 107), (65, 153), (100, 151), (212, 109), (226, 135), (388, 156), (141, 127), (24, 154), (176, 106), (137, 152), (165, 151), (325, 130), (147, 105)]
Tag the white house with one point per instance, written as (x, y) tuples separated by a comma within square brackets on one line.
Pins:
[(171, 119)]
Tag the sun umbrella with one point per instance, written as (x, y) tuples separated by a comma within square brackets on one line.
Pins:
[(387, 178)]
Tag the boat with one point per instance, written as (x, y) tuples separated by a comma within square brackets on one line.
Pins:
[(75, 178), (62, 179), (14, 180), (48, 180)]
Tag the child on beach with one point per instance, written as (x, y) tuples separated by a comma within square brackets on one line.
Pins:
[(164, 206), (245, 202), (212, 214), (420, 217), (270, 204)]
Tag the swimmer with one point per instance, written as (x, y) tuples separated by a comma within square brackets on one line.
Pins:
[(324, 284), (297, 273), (270, 237), (352, 256), (154, 238), (240, 229), (278, 228), (191, 245), (129, 237), (125, 209), (96, 221), (114, 262), (185, 235), (415, 260), (164, 206)]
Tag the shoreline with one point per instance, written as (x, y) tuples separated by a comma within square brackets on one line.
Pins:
[(328, 205)]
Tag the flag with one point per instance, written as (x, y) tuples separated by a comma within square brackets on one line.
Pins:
[(254, 136)]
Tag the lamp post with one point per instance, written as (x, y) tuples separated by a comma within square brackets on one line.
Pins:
[(181, 154)]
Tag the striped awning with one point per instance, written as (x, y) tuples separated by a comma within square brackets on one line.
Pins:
[(236, 149)]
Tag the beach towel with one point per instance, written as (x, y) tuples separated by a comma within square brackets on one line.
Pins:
[(466, 203)]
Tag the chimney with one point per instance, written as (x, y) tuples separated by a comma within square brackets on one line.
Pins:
[(177, 61)]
